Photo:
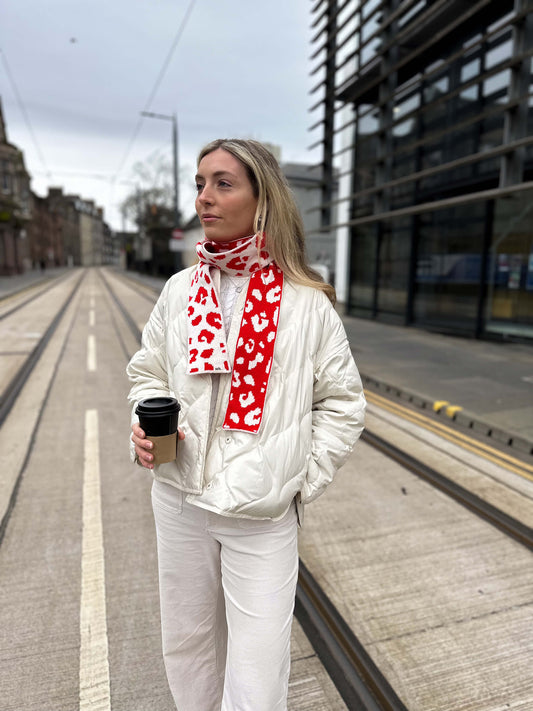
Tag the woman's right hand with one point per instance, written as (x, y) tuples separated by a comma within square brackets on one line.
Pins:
[(142, 447)]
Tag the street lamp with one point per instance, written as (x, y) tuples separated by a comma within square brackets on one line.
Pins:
[(172, 118)]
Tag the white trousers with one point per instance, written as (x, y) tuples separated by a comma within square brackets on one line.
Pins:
[(227, 589)]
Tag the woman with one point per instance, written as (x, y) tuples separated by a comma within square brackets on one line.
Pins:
[(271, 405)]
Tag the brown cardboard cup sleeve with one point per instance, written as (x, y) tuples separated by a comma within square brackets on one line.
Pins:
[(164, 448)]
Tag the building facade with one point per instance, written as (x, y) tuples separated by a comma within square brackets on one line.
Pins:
[(86, 239), (46, 231), (305, 182), (15, 207), (425, 109)]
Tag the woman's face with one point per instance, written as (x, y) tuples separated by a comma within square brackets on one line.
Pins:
[(225, 202)]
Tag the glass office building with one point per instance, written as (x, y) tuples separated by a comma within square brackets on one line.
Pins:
[(424, 110)]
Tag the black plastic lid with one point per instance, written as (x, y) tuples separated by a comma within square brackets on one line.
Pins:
[(158, 406)]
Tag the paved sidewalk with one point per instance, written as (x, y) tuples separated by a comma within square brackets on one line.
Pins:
[(491, 382), (11, 284)]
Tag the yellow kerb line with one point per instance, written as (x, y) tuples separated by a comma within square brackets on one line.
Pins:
[(490, 453)]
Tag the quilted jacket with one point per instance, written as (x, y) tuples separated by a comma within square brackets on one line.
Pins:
[(313, 414)]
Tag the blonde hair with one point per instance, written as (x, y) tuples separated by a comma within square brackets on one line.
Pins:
[(276, 214)]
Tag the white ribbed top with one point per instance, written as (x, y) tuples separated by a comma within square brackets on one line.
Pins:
[(230, 288)]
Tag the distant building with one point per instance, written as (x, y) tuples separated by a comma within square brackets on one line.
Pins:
[(46, 231), (15, 207), (425, 111), (45, 235), (306, 184), (83, 228), (112, 252), (91, 232)]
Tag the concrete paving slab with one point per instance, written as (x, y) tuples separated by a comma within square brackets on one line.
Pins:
[(40, 557), (441, 600), (482, 377), (16, 282), (517, 419), (310, 688)]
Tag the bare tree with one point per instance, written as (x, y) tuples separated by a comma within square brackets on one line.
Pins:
[(152, 200)]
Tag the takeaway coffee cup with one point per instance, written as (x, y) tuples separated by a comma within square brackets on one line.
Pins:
[(158, 417)]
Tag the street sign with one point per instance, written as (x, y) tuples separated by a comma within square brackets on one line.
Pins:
[(177, 233)]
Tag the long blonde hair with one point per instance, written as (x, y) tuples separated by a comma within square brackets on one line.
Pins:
[(276, 214)]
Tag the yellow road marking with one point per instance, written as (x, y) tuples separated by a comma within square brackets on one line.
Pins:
[(472, 445)]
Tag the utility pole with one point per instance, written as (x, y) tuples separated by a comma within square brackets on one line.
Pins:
[(176, 180), (178, 262), (175, 171)]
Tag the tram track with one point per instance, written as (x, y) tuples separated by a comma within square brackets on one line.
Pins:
[(354, 672), (359, 681), (15, 388), (130, 321), (356, 676), (489, 452), (144, 290), (36, 290), (505, 523), (16, 384)]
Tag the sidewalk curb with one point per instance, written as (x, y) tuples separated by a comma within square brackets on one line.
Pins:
[(462, 417)]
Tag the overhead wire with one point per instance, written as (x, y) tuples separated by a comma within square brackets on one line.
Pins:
[(114, 178), (157, 83), (106, 177), (24, 111)]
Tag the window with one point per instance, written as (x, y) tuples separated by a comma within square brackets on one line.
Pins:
[(449, 267), (510, 292), (6, 178)]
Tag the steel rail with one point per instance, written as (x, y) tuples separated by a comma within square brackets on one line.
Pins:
[(502, 521), (452, 434), (357, 678), (505, 523), (131, 281), (49, 284), (19, 379), (136, 331), (16, 387)]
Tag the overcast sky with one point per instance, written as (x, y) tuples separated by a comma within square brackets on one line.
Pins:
[(84, 70)]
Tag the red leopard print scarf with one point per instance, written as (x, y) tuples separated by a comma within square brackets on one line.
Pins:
[(257, 335)]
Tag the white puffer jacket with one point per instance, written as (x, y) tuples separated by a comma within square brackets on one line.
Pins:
[(313, 414)]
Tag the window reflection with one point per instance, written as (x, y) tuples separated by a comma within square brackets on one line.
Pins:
[(440, 116), (510, 302)]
